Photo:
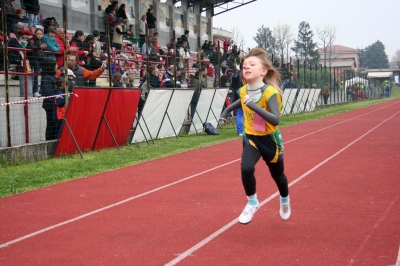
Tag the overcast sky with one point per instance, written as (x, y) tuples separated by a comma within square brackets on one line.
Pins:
[(359, 23)]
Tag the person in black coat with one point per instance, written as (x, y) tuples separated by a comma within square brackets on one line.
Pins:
[(151, 21), (36, 57), (121, 13), (32, 8), (47, 87)]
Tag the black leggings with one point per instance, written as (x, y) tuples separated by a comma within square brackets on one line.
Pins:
[(250, 157)]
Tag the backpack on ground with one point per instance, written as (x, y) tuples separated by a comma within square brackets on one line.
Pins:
[(210, 129)]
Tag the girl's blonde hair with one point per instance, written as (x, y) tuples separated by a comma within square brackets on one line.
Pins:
[(273, 77)]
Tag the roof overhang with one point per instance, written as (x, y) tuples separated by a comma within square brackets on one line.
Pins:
[(217, 6), (380, 74)]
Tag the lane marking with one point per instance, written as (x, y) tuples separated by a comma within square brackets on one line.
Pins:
[(7, 244), (233, 222), (398, 258), (361, 248)]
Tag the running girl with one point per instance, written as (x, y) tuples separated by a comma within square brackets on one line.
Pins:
[(261, 100)]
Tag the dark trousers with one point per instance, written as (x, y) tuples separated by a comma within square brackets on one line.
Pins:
[(193, 105), (50, 125), (250, 157), (142, 39)]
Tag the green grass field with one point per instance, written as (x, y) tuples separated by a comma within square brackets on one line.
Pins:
[(17, 177)]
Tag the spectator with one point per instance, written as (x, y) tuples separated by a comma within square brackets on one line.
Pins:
[(236, 85), (121, 14), (32, 9), (226, 62), (325, 93), (88, 46), (117, 81), (111, 7), (184, 57), (215, 60), (151, 21), (169, 78), (226, 45), (170, 57), (49, 22), (60, 40), (184, 38), (142, 30), (290, 84), (51, 42), (197, 82), (129, 33), (81, 74), (118, 37), (77, 41), (59, 107), (47, 87), (11, 16), (16, 57), (130, 82), (154, 81), (36, 57)]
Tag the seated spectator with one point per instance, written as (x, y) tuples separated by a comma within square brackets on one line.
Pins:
[(130, 81), (153, 79), (169, 78), (129, 33), (117, 81), (81, 74), (88, 46), (77, 41), (51, 43)]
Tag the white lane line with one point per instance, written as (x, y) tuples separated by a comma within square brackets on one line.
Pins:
[(152, 191), (398, 258), (233, 222), (361, 248)]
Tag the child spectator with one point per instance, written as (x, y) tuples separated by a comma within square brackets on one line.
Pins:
[(51, 42), (36, 57), (77, 41), (59, 107)]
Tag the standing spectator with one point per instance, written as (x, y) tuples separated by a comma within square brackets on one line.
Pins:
[(51, 42), (215, 60), (11, 16), (47, 87), (118, 36), (142, 30), (88, 46), (289, 84), (111, 7), (226, 45), (151, 21), (236, 85), (60, 40), (197, 82), (77, 41), (59, 107), (36, 57), (121, 14), (184, 58), (49, 22), (97, 55), (17, 57), (81, 74), (184, 38), (325, 93), (32, 8)]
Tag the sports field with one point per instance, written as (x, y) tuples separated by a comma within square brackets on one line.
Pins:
[(183, 209)]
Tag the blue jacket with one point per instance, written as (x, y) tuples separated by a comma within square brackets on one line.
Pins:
[(52, 45)]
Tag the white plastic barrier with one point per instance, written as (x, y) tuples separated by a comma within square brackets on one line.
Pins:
[(312, 100)]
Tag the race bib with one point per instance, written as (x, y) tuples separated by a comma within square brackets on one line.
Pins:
[(259, 123)]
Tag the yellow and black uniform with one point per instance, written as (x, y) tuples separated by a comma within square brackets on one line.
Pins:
[(262, 139), (261, 134)]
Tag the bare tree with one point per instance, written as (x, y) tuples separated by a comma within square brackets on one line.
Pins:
[(327, 36), (238, 38), (396, 58), (283, 37)]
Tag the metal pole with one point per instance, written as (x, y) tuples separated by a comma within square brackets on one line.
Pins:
[(108, 51), (6, 85), (65, 54), (174, 44)]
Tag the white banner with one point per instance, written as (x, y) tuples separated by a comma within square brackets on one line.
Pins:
[(288, 99), (300, 101), (312, 100), (81, 6)]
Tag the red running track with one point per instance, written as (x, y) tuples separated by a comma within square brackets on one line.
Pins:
[(183, 209)]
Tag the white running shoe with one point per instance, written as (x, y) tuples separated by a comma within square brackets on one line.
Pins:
[(248, 213), (284, 210), (37, 94)]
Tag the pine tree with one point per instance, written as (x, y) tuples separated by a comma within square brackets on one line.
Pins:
[(375, 56), (304, 47), (265, 39)]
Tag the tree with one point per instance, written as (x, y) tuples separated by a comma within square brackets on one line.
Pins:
[(283, 37), (374, 56), (304, 47), (238, 38), (327, 37), (396, 58), (266, 40)]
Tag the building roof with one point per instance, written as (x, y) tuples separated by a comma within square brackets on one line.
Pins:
[(337, 48)]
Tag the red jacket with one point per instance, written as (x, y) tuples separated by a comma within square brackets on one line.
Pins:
[(60, 57), (226, 45)]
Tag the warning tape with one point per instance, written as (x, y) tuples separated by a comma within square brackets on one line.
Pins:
[(37, 99)]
